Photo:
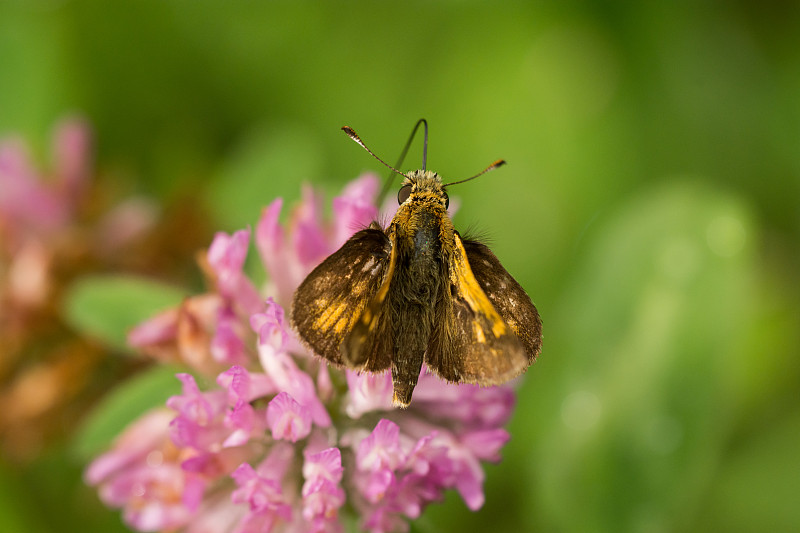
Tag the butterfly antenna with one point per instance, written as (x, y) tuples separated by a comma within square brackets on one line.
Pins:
[(353, 135), (424, 145), (498, 163), (388, 183)]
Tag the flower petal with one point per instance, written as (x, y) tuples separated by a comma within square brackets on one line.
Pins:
[(381, 449), (368, 392), (226, 257), (287, 419), (355, 208)]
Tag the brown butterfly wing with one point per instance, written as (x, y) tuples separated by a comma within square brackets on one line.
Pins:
[(507, 296), (370, 344), (471, 343), (331, 300)]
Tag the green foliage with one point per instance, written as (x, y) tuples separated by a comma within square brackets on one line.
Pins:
[(107, 307), (663, 298), (16, 511), (147, 390)]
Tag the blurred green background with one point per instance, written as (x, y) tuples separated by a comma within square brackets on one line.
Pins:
[(650, 208)]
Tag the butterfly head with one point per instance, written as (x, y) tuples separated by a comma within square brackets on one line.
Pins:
[(423, 186)]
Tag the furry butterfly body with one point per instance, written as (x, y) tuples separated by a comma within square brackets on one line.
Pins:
[(416, 292)]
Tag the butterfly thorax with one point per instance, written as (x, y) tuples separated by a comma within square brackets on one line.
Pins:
[(422, 233)]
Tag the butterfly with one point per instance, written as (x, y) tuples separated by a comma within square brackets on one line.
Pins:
[(393, 298)]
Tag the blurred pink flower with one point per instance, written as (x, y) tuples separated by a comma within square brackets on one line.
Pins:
[(56, 224), (32, 202), (40, 214), (276, 440), (36, 211)]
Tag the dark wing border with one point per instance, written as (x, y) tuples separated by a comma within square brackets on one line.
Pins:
[(507, 296)]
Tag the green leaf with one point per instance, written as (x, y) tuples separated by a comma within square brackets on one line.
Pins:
[(128, 401), (107, 307)]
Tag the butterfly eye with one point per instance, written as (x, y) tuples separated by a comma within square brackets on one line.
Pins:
[(403, 193), (446, 201)]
